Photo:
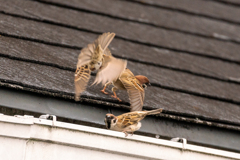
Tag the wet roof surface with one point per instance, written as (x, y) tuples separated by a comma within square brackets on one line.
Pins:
[(188, 50)]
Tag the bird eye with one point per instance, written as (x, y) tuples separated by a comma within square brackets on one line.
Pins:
[(144, 86)]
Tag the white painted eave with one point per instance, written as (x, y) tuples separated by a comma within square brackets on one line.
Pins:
[(106, 141)]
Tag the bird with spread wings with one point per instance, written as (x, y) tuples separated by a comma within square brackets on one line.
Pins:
[(97, 56)]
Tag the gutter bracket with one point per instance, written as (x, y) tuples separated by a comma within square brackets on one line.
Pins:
[(184, 143), (54, 120), (49, 117)]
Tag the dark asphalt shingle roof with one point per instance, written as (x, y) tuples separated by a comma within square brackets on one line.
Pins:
[(192, 60), (211, 9)]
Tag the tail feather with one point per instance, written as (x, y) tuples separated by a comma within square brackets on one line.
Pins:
[(105, 39), (156, 111)]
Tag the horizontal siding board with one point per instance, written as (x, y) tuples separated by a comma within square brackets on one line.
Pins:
[(67, 36), (185, 103), (187, 82), (67, 58), (44, 32), (203, 7), (157, 16), (38, 52), (36, 75), (82, 28), (148, 35), (229, 1), (62, 81)]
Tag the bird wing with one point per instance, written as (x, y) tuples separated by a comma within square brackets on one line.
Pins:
[(85, 56), (111, 69), (130, 118), (82, 76), (135, 91), (87, 53), (104, 40), (107, 52)]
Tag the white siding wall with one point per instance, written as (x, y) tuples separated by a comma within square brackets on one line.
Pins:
[(33, 139)]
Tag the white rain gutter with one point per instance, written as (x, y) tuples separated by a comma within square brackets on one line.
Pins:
[(35, 138)]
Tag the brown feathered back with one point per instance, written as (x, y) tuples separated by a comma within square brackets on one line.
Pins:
[(131, 118)]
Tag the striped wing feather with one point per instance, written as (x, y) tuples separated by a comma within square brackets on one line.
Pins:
[(130, 118), (87, 53), (104, 40), (82, 76), (135, 91)]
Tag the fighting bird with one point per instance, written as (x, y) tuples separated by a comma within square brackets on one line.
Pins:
[(128, 122), (97, 56), (134, 85)]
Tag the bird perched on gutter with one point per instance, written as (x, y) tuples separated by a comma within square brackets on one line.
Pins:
[(128, 122), (96, 56), (134, 85)]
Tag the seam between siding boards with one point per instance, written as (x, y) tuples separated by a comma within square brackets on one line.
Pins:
[(182, 11), (139, 22), (223, 79), (208, 96), (226, 2), (117, 37), (76, 47), (114, 103)]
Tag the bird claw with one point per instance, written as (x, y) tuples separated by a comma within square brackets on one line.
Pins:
[(103, 91), (116, 98)]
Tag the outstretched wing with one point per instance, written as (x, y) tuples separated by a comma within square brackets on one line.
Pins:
[(135, 91), (107, 52), (111, 69), (82, 76), (86, 54), (130, 118), (104, 40)]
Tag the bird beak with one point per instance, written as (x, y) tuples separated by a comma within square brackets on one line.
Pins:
[(108, 123)]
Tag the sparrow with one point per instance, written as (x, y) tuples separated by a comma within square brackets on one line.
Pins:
[(128, 122), (134, 85), (97, 56)]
